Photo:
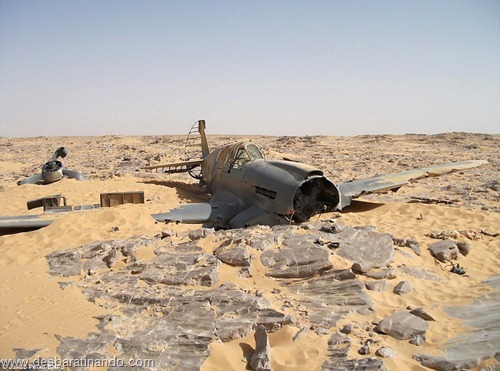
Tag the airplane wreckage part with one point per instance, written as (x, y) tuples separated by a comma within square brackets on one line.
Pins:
[(247, 189), (121, 198), (53, 170), (388, 182), (47, 202), (24, 223), (57, 204)]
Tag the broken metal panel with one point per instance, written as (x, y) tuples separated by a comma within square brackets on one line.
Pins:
[(120, 198), (46, 202)]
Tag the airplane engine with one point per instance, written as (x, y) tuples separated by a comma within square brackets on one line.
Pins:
[(314, 196), (52, 171)]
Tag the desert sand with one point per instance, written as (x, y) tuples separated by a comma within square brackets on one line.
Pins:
[(34, 308)]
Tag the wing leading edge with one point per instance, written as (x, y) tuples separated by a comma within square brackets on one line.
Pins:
[(388, 182)]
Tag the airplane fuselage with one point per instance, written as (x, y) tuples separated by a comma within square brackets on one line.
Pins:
[(256, 188)]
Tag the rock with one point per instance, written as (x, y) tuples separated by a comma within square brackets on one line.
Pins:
[(402, 325), (344, 274), (417, 340), (299, 333), (364, 246), (300, 261), (327, 300), (385, 352), (414, 245), (381, 285), (166, 233), (361, 267), (421, 273), (200, 233), (261, 358), (404, 287), (95, 256), (337, 353), (420, 312), (382, 274), (236, 256), (365, 349), (463, 247), (435, 362), (347, 329), (444, 251), (180, 268)]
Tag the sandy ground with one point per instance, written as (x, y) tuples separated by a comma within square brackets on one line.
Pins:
[(34, 308)]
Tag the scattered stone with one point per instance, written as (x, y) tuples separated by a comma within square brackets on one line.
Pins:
[(444, 251), (386, 352), (402, 325), (417, 340), (337, 353), (365, 349), (166, 233), (236, 256), (347, 329), (388, 273), (261, 358), (200, 233), (420, 312), (299, 333), (381, 285), (404, 287), (361, 267), (463, 247), (399, 241), (414, 245)]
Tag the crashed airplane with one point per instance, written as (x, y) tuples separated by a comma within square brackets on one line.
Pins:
[(246, 189), (53, 170)]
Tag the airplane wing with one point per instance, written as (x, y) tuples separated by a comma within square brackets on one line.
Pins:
[(30, 180), (24, 223), (189, 213), (385, 183), (174, 167), (73, 174)]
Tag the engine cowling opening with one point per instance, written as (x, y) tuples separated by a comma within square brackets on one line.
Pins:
[(314, 196)]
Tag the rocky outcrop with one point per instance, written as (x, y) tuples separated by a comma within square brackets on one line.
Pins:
[(169, 308)]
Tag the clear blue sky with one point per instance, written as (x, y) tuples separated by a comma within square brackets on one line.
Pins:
[(249, 67)]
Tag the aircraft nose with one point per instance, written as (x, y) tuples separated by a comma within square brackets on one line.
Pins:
[(314, 196)]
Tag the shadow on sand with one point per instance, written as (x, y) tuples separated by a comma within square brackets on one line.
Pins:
[(361, 206), (185, 191)]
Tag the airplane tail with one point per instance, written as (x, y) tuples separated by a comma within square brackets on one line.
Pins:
[(193, 158), (198, 128)]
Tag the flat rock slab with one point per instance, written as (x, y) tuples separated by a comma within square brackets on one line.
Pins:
[(484, 316), (402, 325), (298, 261), (328, 299), (363, 246)]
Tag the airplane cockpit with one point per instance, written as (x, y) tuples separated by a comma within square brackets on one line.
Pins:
[(246, 152)]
